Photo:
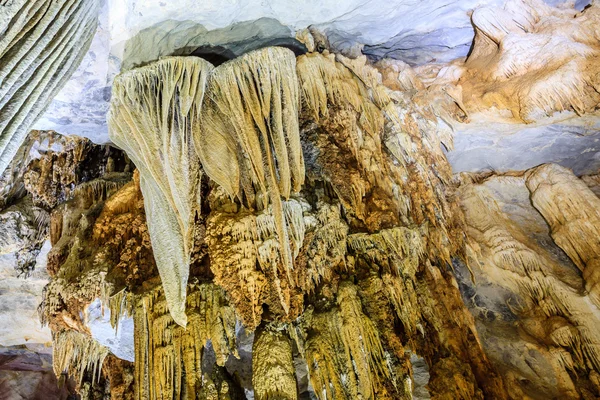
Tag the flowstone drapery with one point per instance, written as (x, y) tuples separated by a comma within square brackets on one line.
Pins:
[(154, 115), (41, 44), (245, 130), (250, 145)]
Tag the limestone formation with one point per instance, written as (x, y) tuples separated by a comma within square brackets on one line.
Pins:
[(154, 117), (531, 59), (41, 44), (556, 312), (273, 374), (77, 353), (169, 358), (280, 219), (249, 142), (570, 217)]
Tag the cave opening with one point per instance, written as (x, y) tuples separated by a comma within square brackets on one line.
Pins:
[(217, 55)]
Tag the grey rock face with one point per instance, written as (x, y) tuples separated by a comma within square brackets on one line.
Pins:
[(488, 145), (171, 37), (417, 48)]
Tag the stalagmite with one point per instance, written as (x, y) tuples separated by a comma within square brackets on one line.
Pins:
[(344, 353), (41, 45), (273, 374), (168, 356), (155, 113)]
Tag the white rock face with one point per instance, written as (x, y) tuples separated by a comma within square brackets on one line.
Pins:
[(19, 300), (119, 341), (368, 21)]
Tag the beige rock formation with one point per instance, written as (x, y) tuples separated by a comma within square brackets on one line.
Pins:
[(557, 315), (531, 59)]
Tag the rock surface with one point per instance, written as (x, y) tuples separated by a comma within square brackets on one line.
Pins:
[(19, 300), (488, 143), (527, 296)]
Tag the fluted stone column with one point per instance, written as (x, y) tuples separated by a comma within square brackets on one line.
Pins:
[(42, 42)]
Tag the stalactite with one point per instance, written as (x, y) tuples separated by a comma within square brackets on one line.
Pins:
[(249, 141), (273, 373), (75, 353), (168, 356), (398, 171), (405, 247), (573, 213), (120, 304), (154, 115), (323, 81), (325, 247), (42, 44), (99, 190), (240, 242)]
